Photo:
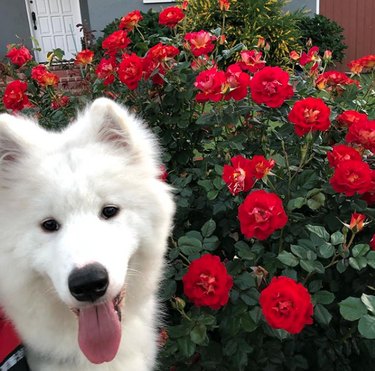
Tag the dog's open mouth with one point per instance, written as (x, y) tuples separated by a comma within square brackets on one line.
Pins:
[(99, 330)]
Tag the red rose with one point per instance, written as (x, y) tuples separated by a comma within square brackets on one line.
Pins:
[(311, 56), (60, 101), (357, 222), (372, 243), (14, 96), (130, 20), (116, 41), (238, 177), (261, 214), (271, 87), (19, 56), (369, 196), (362, 132), (84, 57), (286, 305), (341, 152), (358, 65), (237, 83), (43, 77), (351, 177), (260, 166), (334, 81), (106, 70), (211, 83), (348, 118), (309, 114), (251, 60), (207, 282), (130, 70), (158, 60), (200, 42), (171, 16)]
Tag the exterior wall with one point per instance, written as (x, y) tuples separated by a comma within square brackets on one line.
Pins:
[(103, 12), (357, 17), (14, 23), (299, 4)]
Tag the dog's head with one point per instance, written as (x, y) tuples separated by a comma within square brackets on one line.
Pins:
[(78, 207)]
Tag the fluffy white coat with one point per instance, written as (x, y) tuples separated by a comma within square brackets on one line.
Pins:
[(106, 157)]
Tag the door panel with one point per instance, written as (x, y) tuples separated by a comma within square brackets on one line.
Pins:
[(55, 25)]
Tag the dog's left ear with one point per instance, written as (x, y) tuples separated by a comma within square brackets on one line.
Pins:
[(113, 124)]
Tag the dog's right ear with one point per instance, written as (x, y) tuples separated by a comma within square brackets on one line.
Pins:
[(16, 135)]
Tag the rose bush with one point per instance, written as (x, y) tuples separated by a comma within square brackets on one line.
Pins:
[(271, 261)]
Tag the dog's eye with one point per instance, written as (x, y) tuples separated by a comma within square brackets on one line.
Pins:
[(109, 211), (50, 225)]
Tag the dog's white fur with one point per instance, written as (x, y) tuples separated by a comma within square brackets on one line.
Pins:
[(105, 157)]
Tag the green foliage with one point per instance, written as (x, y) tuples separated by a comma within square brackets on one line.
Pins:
[(246, 21), (324, 33)]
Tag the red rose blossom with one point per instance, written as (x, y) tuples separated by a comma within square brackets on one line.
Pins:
[(130, 20), (84, 57), (372, 243), (357, 222), (334, 81), (261, 214), (106, 70), (210, 83), (44, 77), (237, 83), (350, 117), (200, 43), (286, 305), (260, 166), (171, 16), (15, 97), (351, 177), (251, 60), (367, 62), (341, 152), (271, 87), (309, 114), (19, 56), (60, 101), (238, 177), (207, 282), (363, 133), (130, 70), (115, 42), (311, 56)]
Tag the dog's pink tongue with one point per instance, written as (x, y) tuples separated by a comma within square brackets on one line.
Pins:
[(99, 332)]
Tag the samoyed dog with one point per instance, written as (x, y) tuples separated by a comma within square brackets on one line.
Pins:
[(84, 220)]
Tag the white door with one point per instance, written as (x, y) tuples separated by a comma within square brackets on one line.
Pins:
[(53, 25)]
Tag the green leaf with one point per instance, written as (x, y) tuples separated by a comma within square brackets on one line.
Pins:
[(342, 265), (358, 263), (198, 334), (337, 238), (288, 259), (247, 322), (243, 250), (244, 281), (168, 289), (208, 228), (316, 201), (369, 301), (178, 331), (326, 251), (322, 315), (295, 203), (210, 243), (352, 308), (312, 266), (371, 259), (360, 250), (323, 297), (189, 245), (319, 231), (186, 346), (366, 326)]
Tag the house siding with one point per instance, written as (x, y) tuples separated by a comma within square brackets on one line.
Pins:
[(14, 23)]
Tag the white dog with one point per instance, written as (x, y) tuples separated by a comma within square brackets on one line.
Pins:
[(84, 220)]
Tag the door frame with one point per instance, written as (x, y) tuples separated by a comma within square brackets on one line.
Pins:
[(76, 10)]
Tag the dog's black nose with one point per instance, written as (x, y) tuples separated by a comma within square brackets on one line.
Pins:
[(88, 283)]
